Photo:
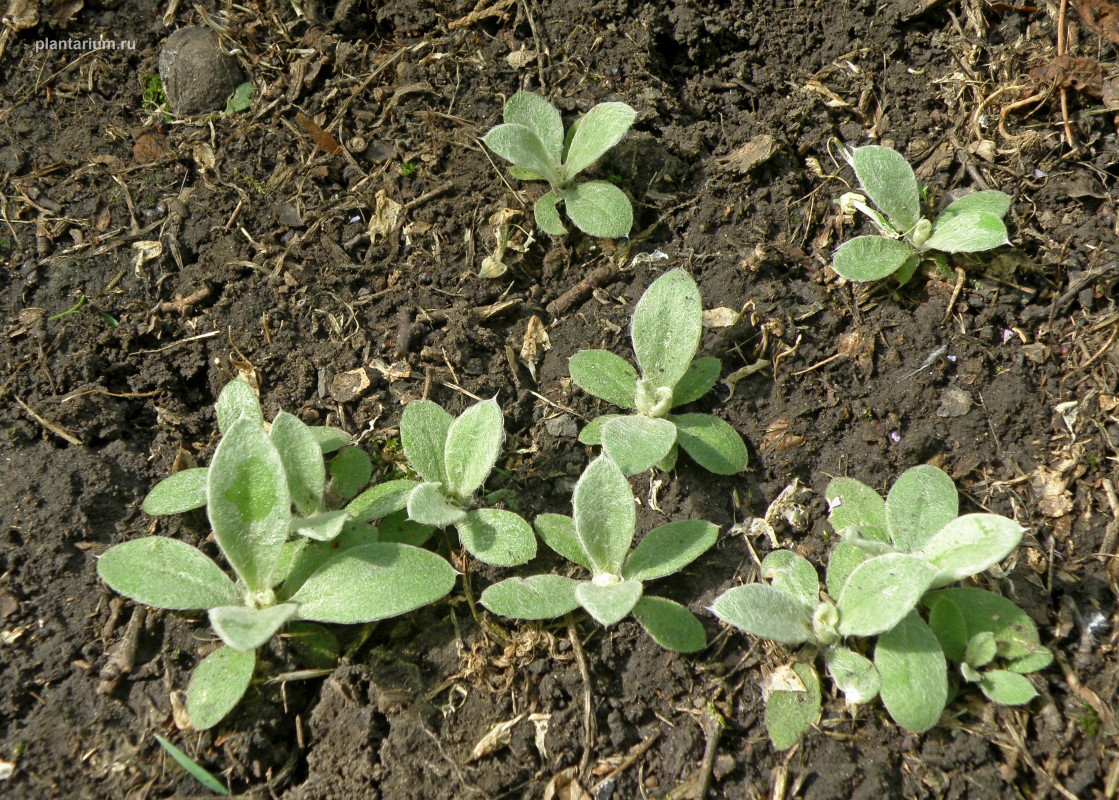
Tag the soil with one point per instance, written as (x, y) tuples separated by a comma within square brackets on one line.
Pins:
[(1001, 369)]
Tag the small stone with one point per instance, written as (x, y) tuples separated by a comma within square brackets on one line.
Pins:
[(149, 147), (562, 427), (954, 403), (345, 386), (198, 76)]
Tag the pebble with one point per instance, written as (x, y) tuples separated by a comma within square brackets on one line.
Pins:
[(198, 76)]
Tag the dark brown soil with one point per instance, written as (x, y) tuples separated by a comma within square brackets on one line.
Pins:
[(264, 267)]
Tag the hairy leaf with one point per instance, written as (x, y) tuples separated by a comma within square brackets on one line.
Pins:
[(540, 117), (637, 442), (991, 202), (789, 714), (547, 215), (497, 537), (350, 470), (969, 545), (535, 597), (853, 674), (518, 143), (381, 500), (970, 232), (604, 514), (790, 573), (244, 628), (605, 375), (608, 604), (921, 502), (237, 399), (842, 561), (671, 625), (854, 505), (765, 611), (428, 505), (890, 183), (217, 685), (985, 611), (870, 258), (666, 327), (165, 573), (423, 435), (914, 674), (558, 532), (881, 591), (473, 445), (592, 431), (320, 527), (1007, 688), (669, 548), (303, 462), (329, 439), (701, 377), (182, 491), (599, 208), (600, 129), (711, 442)]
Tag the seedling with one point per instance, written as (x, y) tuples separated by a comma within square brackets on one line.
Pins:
[(315, 563), (891, 554), (598, 537), (193, 768), (666, 328), (532, 139), (969, 225), (454, 456)]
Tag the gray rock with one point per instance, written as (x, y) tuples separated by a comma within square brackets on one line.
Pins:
[(197, 75)]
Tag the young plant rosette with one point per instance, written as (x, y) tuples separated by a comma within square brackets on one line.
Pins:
[(598, 537), (893, 560), (532, 138), (969, 225), (665, 330), (293, 557), (454, 456)]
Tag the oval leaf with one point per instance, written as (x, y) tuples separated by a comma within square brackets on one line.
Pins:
[(670, 624), (165, 573), (592, 432), (914, 674), (605, 375), (889, 182), (423, 435), (1007, 688), (217, 685), (985, 611), (536, 597), (373, 581), (381, 500), (244, 628), (880, 592), (604, 514), (764, 611), (558, 532), (248, 502), (666, 327), (540, 117), (947, 622), (518, 144), (303, 462), (921, 502), (841, 563), (669, 548), (854, 505), (183, 491), (854, 674), (970, 544), (473, 444), (321, 527), (870, 258), (700, 378), (600, 129), (790, 573), (428, 505), (789, 714), (970, 232), (599, 209), (329, 439), (350, 470), (236, 400), (608, 604), (991, 202), (637, 442), (547, 215), (497, 537), (711, 442)]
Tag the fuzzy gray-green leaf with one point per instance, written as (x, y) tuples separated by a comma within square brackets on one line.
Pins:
[(986, 611), (217, 685), (853, 674), (890, 183), (921, 502), (881, 591), (381, 500), (599, 209), (669, 548), (303, 461), (428, 505), (182, 491), (666, 328), (789, 714), (236, 400), (423, 435), (608, 604), (473, 444), (969, 232), (711, 442), (914, 674), (841, 563), (540, 117), (244, 628), (535, 597), (991, 202), (320, 527), (248, 502), (546, 214), (600, 129), (328, 438), (854, 505), (604, 514), (558, 532), (969, 545), (871, 258), (637, 442), (794, 575), (1007, 688), (605, 375), (671, 625), (373, 581), (165, 573), (350, 470), (764, 611), (497, 537), (701, 377), (519, 144), (591, 434)]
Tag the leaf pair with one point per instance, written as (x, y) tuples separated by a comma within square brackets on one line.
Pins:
[(532, 138), (598, 537), (969, 225), (665, 331), (454, 456)]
